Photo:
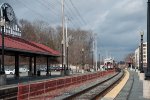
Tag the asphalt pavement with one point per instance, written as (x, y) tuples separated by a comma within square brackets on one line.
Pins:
[(24, 78)]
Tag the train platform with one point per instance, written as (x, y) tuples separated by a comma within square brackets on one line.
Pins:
[(115, 91), (12, 81), (130, 88), (52, 89), (14, 85)]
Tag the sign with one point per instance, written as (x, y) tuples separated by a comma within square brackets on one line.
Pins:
[(11, 27)]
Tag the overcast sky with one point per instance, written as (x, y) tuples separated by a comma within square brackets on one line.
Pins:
[(116, 22)]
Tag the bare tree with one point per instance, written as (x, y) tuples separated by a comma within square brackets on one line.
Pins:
[(129, 58), (41, 32)]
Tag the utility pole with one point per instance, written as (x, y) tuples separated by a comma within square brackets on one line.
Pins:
[(102, 60), (99, 61), (96, 54), (93, 53), (83, 60), (63, 41), (92, 59), (66, 21)]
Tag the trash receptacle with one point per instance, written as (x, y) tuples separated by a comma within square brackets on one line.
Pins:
[(38, 73)]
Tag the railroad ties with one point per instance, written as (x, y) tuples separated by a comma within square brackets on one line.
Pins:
[(93, 90)]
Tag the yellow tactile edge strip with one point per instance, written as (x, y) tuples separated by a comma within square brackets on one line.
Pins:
[(114, 92)]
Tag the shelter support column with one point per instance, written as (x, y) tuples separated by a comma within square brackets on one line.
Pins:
[(47, 69), (16, 65), (30, 66), (34, 65)]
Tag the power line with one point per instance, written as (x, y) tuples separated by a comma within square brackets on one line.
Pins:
[(37, 13), (71, 12), (77, 12), (47, 5)]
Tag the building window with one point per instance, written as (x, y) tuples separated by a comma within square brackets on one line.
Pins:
[(145, 64), (144, 45), (144, 60)]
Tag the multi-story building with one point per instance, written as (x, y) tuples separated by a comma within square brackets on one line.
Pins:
[(138, 55)]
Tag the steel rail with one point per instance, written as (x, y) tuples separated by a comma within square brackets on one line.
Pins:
[(93, 97)]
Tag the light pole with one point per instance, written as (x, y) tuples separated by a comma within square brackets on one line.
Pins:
[(2, 23), (139, 59), (92, 59), (147, 74), (67, 58), (82, 59), (141, 64)]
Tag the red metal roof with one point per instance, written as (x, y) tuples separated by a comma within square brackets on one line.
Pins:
[(46, 48), (20, 44)]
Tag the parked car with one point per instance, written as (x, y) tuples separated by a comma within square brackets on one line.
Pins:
[(52, 68), (56, 68), (9, 72), (42, 69), (59, 68), (23, 70)]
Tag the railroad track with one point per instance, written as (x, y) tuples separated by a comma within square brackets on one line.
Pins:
[(10, 96), (97, 91), (9, 93)]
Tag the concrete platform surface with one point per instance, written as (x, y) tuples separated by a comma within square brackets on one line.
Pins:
[(115, 91), (133, 90)]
